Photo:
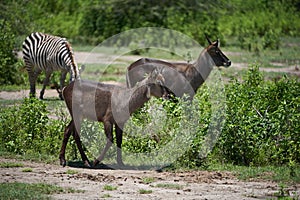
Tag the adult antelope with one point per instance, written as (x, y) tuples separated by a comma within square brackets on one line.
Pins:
[(181, 78)]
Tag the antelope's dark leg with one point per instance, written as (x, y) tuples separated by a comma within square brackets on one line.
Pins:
[(108, 128), (68, 130), (79, 146), (119, 134), (76, 111)]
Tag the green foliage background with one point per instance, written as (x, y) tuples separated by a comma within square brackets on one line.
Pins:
[(93, 21), (255, 25), (9, 65)]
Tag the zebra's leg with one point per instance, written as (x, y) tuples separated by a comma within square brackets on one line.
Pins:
[(32, 74), (46, 82), (62, 83)]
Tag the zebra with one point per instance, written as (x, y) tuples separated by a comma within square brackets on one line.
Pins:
[(43, 52)]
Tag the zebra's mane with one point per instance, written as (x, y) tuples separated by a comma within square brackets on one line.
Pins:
[(71, 54)]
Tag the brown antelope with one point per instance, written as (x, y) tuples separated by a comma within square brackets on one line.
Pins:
[(110, 104), (181, 78)]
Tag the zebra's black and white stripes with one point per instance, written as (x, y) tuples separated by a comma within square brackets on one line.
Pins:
[(42, 52)]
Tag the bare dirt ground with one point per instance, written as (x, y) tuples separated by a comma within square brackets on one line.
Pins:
[(130, 184)]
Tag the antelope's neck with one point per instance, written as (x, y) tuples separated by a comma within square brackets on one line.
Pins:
[(204, 64), (138, 98), (125, 101)]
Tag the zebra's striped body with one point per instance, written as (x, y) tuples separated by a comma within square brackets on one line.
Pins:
[(42, 52)]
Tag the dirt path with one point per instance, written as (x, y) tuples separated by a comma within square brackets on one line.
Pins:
[(130, 183)]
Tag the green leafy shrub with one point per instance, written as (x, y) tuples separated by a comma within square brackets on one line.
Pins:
[(175, 127), (9, 67), (26, 128), (261, 126)]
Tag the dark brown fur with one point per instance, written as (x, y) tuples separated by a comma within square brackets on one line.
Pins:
[(110, 104), (181, 78)]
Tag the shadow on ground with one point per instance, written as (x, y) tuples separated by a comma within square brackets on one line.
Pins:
[(80, 164)]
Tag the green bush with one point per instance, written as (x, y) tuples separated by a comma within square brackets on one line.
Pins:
[(26, 128), (261, 125), (9, 67), (174, 127)]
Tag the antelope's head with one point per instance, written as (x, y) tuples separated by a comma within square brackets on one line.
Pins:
[(216, 54)]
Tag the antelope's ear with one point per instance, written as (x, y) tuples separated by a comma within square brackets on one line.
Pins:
[(148, 94), (160, 79), (208, 40), (154, 73), (217, 43)]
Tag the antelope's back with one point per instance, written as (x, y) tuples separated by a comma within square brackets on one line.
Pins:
[(90, 99)]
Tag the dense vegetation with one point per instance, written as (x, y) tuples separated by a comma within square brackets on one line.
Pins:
[(94, 21), (262, 121), (26, 128), (9, 65)]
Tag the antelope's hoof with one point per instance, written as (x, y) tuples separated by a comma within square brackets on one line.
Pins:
[(96, 162), (61, 96), (87, 164), (120, 163), (62, 162)]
